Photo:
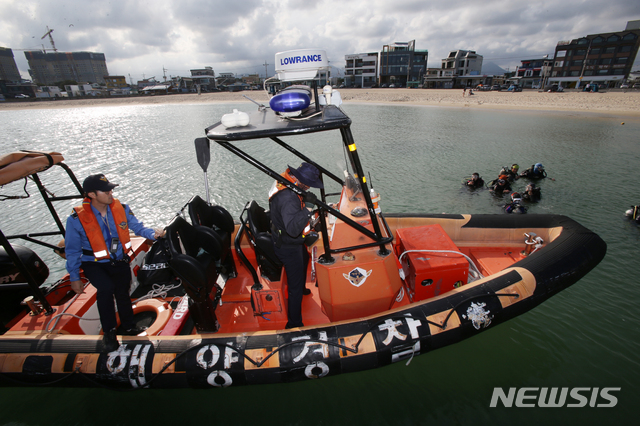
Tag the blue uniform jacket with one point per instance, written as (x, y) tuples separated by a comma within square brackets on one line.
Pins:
[(76, 239), (288, 216)]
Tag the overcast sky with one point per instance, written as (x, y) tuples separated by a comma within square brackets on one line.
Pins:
[(140, 37)]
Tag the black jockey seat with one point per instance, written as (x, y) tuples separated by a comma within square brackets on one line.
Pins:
[(194, 251), (221, 221), (260, 234)]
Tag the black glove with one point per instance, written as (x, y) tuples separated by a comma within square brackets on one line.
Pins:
[(310, 197)]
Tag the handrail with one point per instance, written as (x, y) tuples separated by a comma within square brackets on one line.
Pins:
[(236, 242), (48, 199)]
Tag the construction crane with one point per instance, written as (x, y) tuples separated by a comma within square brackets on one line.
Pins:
[(48, 33)]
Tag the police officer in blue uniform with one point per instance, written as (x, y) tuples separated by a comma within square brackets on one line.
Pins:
[(290, 216), (97, 241)]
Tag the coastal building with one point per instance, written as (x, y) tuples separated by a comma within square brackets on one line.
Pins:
[(251, 79), (158, 89), (225, 79), (79, 90), (478, 81), (463, 62), (325, 77), (51, 68), (466, 66), (50, 92), (204, 79), (401, 64), (361, 70), (8, 68), (152, 86), (147, 82), (439, 78), (115, 82), (533, 73), (604, 59)]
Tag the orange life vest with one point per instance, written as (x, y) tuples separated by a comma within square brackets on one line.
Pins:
[(277, 186), (94, 232)]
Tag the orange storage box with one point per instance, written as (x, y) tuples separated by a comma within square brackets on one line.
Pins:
[(430, 274), (355, 289)]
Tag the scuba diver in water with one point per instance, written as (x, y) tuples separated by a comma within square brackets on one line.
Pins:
[(475, 182), (534, 172), (514, 206), (531, 193), (634, 214), (500, 186), (512, 173)]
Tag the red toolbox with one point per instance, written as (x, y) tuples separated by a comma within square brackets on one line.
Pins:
[(430, 274)]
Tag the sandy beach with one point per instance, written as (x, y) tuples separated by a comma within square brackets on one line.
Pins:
[(613, 102)]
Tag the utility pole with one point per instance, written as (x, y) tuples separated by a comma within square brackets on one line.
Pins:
[(266, 73)]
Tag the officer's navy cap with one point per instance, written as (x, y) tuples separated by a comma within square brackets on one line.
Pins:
[(97, 183)]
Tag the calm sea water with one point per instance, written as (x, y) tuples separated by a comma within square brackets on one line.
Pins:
[(587, 336)]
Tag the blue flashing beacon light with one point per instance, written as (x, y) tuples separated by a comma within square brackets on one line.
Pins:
[(290, 101), (296, 65)]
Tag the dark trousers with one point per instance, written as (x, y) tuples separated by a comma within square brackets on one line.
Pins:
[(111, 281), (295, 259)]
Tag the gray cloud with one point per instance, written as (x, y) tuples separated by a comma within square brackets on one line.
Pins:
[(142, 37)]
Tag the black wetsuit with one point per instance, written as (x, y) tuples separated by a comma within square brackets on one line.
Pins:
[(500, 186), (531, 173), (515, 207), (478, 183), (534, 195), (512, 175)]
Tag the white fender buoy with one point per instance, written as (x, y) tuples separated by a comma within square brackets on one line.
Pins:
[(235, 119)]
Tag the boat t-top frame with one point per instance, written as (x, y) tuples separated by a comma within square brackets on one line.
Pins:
[(28, 165), (265, 123)]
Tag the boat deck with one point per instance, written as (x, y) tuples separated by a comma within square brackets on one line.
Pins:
[(234, 312), (494, 259)]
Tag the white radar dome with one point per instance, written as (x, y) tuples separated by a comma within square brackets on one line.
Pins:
[(301, 64)]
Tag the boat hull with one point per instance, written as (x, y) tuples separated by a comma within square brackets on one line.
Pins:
[(220, 360)]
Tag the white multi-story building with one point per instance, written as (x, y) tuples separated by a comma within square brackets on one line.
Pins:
[(463, 63), (361, 70)]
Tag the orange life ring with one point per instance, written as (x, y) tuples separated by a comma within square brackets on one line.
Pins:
[(163, 314)]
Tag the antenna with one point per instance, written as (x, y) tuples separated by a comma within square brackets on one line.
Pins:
[(48, 33)]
